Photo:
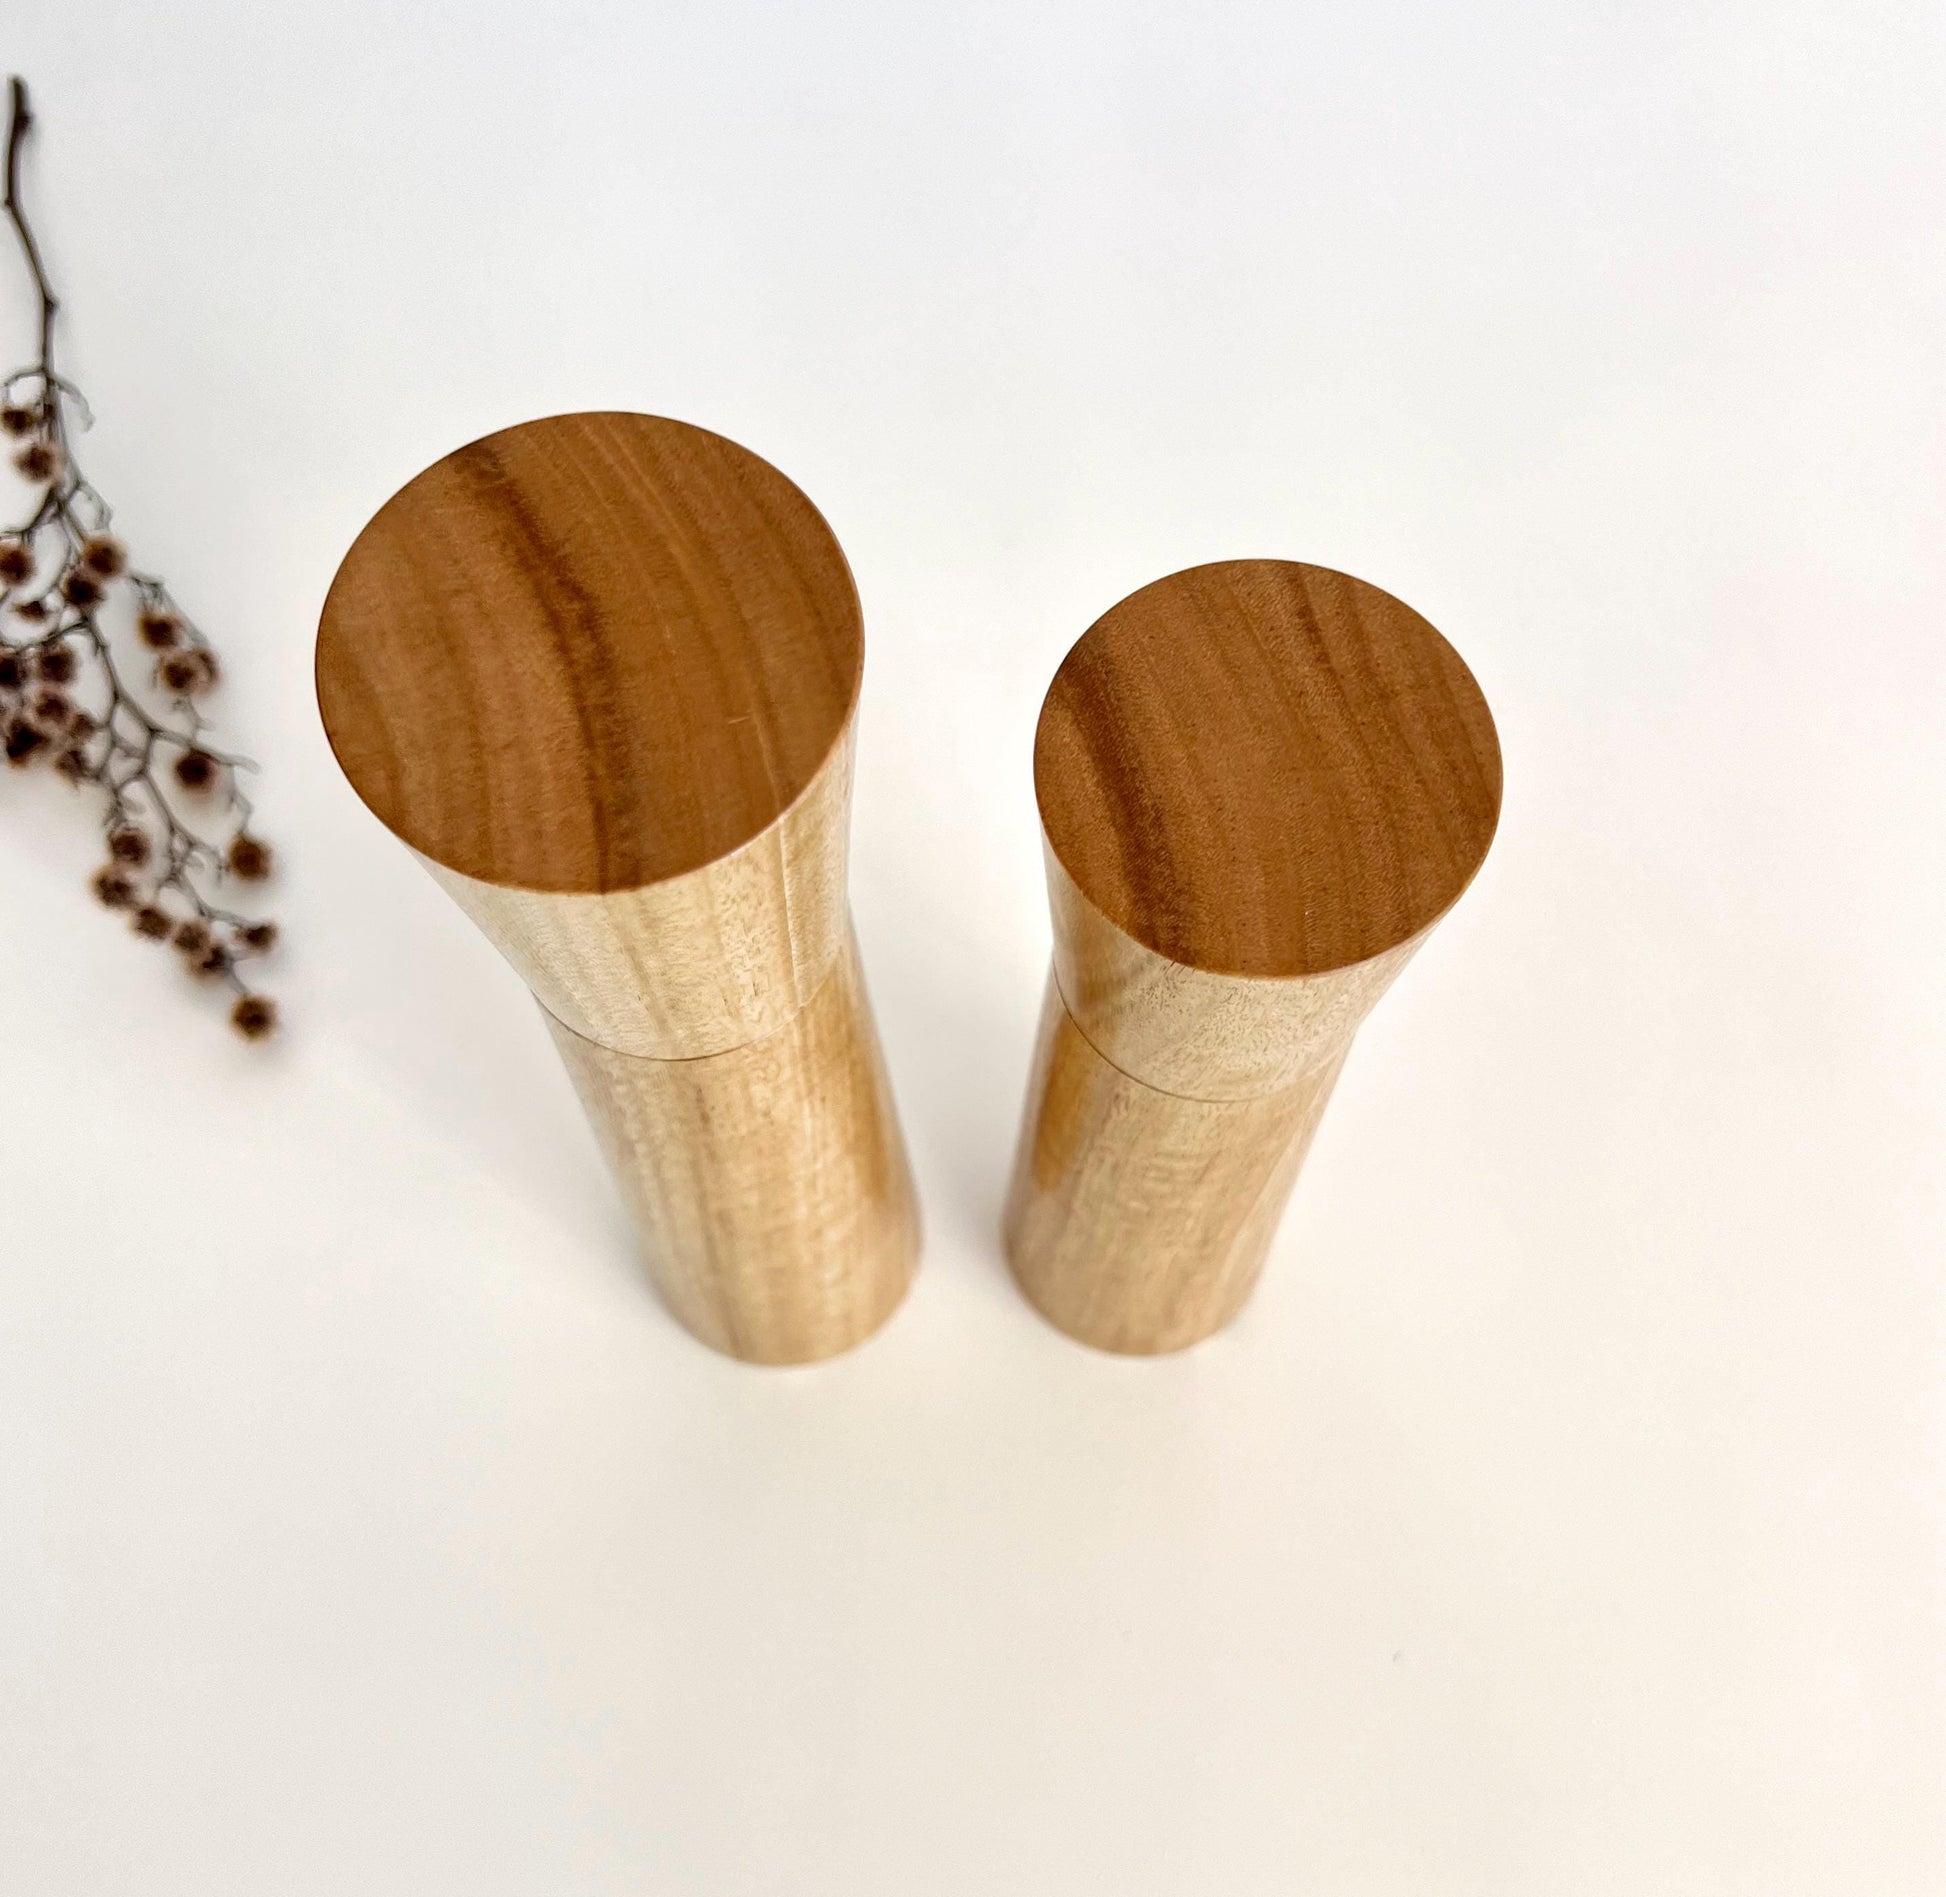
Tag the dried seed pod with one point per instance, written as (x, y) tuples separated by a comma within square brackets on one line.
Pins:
[(41, 461), (196, 771), (251, 858), (114, 887), (254, 1016), (186, 673), (104, 556)]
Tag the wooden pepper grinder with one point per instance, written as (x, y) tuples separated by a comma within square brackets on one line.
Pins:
[(601, 674), (1261, 784)]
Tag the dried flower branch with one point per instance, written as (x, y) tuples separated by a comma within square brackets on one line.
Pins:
[(64, 700)]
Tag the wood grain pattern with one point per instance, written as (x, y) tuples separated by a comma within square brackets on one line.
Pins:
[(770, 1183), (1266, 769), (601, 674), (1186, 1031), (1138, 1221), (702, 962), (1261, 785), (589, 653)]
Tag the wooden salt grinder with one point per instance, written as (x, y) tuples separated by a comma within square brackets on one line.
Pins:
[(1261, 784), (601, 674)]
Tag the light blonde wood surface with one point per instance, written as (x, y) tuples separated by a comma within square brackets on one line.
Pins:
[(769, 1182), (1261, 785), (601, 674), (1187, 1031), (1138, 1220), (705, 961)]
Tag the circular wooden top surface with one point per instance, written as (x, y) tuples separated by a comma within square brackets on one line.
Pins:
[(1261, 768), (589, 653)]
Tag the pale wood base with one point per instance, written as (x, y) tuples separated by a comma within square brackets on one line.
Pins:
[(769, 1183), (1138, 1220)]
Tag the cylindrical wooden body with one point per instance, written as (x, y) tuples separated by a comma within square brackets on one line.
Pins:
[(1261, 784), (1139, 1220), (600, 673), (768, 1181)]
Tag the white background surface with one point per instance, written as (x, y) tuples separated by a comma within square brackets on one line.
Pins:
[(1565, 1516)]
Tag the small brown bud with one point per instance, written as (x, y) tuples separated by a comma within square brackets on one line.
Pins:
[(12, 672), (193, 937), (258, 937), (81, 727), (17, 419), (73, 765), (114, 888), (104, 556), (40, 461), (23, 741), (250, 858), (196, 771), (128, 844), (254, 1017), (152, 922), (214, 960), (32, 610), (187, 673), (55, 664), (53, 708), (158, 630), (16, 562), (80, 589)]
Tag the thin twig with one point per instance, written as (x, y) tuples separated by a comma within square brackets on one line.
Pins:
[(20, 120)]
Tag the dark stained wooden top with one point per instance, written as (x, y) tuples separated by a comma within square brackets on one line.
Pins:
[(1262, 768), (589, 653)]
